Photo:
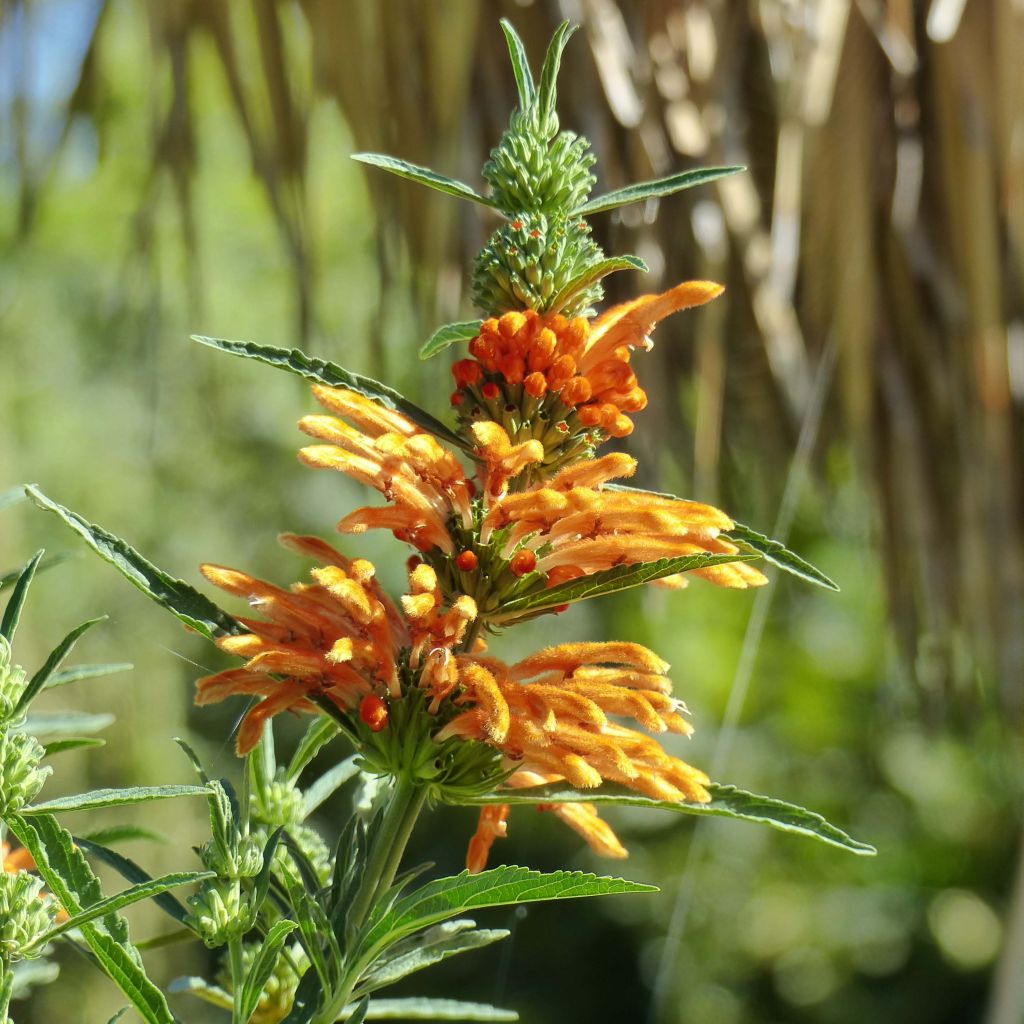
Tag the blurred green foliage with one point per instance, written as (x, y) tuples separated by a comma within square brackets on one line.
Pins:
[(188, 455)]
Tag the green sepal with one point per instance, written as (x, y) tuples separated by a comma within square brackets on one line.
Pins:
[(726, 802), (450, 334), (194, 609), (607, 581), (335, 376), (113, 798), (653, 189), (422, 176)]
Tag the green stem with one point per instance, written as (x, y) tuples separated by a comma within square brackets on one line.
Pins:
[(237, 977)]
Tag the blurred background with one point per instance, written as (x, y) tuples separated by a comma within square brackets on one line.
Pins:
[(182, 166)]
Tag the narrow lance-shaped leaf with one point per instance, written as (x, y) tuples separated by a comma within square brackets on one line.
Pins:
[(546, 92), (423, 1008), (595, 273), (194, 609), (52, 663), (654, 189), (113, 798), (450, 334), (726, 802), (319, 733), (47, 563), (12, 613), (70, 879), (328, 784), (79, 672), (334, 376), (263, 966), (422, 176), (61, 723), (608, 581), (72, 743), (520, 65)]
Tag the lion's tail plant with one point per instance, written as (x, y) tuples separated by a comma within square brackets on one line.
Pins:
[(510, 514)]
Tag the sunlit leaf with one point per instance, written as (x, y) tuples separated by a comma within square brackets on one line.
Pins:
[(318, 734), (262, 966), (422, 176), (654, 189), (113, 798), (450, 334), (546, 92), (726, 802), (520, 65), (422, 1008), (60, 723), (72, 743), (335, 376), (328, 784), (592, 274), (73, 675), (778, 554), (52, 663), (12, 613), (194, 609)]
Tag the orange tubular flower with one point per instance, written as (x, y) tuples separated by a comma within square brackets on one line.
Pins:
[(581, 526), (569, 372)]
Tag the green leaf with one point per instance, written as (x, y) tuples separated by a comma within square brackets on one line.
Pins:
[(335, 376), (112, 904), (319, 733), (429, 948), (422, 1008), (778, 554), (356, 1014), (422, 176), (95, 846), (60, 723), (202, 989), (328, 784), (546, 93), (12, 613), (73, 743), (122, 833), (73, 675), (263, 966), (520, 65), (52, 663), (68, 876), (450, 334), (113, 798), (47, 563), (654, 189), (445, 898), (117, 1016), (608, 581), (726, 802), (593, 273), (194, 609)]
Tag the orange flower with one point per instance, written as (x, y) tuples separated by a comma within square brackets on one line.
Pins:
[(568, 372), (556, 715), (567, 526)]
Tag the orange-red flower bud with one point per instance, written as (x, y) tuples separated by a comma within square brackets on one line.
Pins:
[(490, 391), (535, 385), (374, 712), (466, 371), (457, 398), (523, 561), (466, 561)]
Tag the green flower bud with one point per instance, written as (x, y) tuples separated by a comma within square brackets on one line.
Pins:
[(21, 777), (278, 993), (12, 682), (280, 802), (242, 857), (311, 845), (529, 260), (24, 916), (220, 912)]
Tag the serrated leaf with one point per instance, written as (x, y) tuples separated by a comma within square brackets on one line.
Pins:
[(112, 904), (594, 273), (726, 802), (422, 1008), (778, 554), (328, 784), (335, 376), (12, 613), (262, 967), (422, 176), (79, 672), (113, 798), (520, 65), (52, 663), (95, 846), (60, 723), (319, 733), (73, 743), (450, 334), (654, 189), (608, 581), (445, 898), (70, 879), (197, 611), (434, 945)]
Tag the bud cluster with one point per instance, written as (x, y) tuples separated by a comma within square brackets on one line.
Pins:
[(26, 915)]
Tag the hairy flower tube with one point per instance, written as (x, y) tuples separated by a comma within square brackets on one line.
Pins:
[(457, 718), (491, 541)]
